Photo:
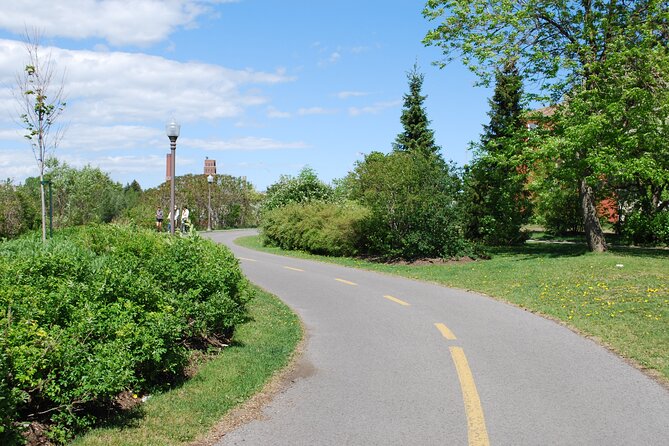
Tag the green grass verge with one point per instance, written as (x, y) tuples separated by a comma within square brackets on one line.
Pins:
[(624, 307), (262, 346)]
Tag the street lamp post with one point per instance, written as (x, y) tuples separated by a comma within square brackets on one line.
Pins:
[(172, 129), (210, 179)]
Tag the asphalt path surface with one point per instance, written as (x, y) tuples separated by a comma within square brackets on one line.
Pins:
[(393, 361)]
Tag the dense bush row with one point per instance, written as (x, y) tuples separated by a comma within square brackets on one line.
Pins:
[(318, 227), (102, 310), (398, 205)]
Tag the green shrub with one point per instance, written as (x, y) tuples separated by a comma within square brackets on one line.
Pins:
[(105, 309), (557, 208), (304, 188), (414, 204), (317, 227), (641, 228)]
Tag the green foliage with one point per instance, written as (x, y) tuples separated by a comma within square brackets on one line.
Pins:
[(262, 348), (12, 218), (304, 188), (414, 206), (317, 227), (506, 111), (497, 205), (105, 309), (417, 136), (642, 229), (83, 196), (80, 196), (606, 61), (234, 202), (557, 208)]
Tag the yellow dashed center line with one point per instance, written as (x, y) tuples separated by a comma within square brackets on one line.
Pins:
[(346, 282), (294, 269), (445, 331), (476, 430), (397, 301)]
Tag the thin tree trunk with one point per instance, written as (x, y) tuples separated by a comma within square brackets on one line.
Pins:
[(593, 229), (43, 198)]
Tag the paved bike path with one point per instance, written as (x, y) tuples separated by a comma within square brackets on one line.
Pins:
[(395, 361)]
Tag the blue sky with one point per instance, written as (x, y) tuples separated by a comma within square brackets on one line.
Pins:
[(263, 87)]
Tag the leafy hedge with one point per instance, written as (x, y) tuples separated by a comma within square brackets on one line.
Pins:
[(101, 310), (317, 227), (640, 228)]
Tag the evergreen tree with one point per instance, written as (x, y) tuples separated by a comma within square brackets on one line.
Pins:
[(497, 203), (417, 136), (505, 108)]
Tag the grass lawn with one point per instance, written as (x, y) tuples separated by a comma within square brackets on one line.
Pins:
[(190, 411), (620, 298)]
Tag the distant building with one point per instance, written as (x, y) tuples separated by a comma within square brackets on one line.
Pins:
[(209, 166), (532, 122)]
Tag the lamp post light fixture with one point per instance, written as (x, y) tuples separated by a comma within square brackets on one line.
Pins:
[(210, 179), (172, 129)]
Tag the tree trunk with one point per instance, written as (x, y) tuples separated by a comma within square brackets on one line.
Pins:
[(593, 229), (43, 198)]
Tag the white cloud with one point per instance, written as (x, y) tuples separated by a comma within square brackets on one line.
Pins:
[(119, 22), (119, 101), (17, 164), (128, 164), (91, 138), (115, 87), (248, 143), (333, 58), (360, 49), (315, 111), (373, 109), (274, 113), (351, 94)]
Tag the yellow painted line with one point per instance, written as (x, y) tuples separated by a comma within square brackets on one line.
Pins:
[(476, 430), (294, 269), (248, 260), (397, 301), (445, 331), (346, 282)]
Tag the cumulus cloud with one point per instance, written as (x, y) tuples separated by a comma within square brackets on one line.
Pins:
[(118, 101), (373, 109), (119, 22), (306, 111), (274, 113), (351, 94), (91, 138), (17, 164), (114, 87), (245, 143)]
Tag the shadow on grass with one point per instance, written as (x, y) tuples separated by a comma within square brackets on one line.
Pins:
[(635, 251), (531, 251), (534, 250)]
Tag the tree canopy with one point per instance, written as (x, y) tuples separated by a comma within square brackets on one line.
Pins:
[(569, 49)]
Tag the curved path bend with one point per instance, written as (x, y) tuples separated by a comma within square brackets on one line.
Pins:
[(395, 361)]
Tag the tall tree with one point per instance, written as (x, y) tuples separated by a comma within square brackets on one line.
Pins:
[(505, 108), (417, 136), (495, 182), (413, 204), (41, 102), (561, 43)]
